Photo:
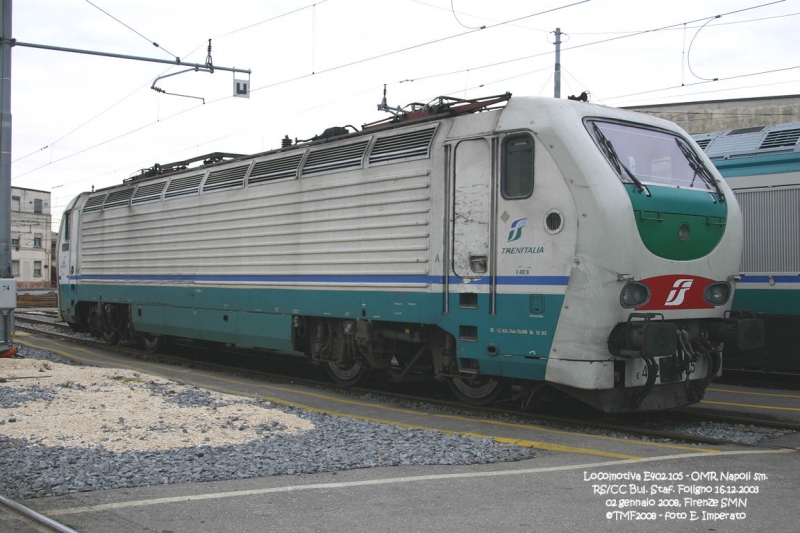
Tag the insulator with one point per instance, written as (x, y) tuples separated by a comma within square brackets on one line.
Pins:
[(286, 141)]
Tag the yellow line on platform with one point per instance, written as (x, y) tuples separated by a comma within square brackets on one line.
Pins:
[(754, 393), (751, 405)]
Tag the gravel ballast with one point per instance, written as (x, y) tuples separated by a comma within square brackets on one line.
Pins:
[(66, 429)]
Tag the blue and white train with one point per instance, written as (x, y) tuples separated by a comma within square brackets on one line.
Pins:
[(762, 166), (483, 243)]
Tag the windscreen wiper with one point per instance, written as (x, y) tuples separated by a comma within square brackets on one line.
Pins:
[(613, 157), (696, 164)]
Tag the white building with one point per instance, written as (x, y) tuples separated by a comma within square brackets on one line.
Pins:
[(30, 238)]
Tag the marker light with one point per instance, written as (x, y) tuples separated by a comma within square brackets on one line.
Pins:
[(634, 294), (717, 293)]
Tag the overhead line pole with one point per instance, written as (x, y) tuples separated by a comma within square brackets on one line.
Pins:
[(557, 76), (8, 285)]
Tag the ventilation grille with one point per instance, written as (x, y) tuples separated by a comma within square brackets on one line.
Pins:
[(227, 178), (273, 169), (148, 193), (743, 131), (94, 203), (777, 139), (771, 231), (414, 144), (335, 158), (184, 186), (118, 198), (703, 143)]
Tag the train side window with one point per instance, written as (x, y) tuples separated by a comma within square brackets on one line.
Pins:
[(65, 232), (517, 166)]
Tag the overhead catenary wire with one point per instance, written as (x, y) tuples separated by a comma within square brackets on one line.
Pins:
[(259, 23), (409, 48), (331, 69), (684, 94), (52, 143), (691, 27), (413, 47), (584, 45), (748, 75), (134, 31), (689, 51), (455, 16), (283, 82)]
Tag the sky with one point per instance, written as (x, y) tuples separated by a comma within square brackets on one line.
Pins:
[(82, 121)]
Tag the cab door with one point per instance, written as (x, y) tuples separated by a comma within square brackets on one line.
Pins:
[(68, 263), (472, 203)]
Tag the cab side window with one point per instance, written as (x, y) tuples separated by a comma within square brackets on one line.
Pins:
[(517, 166)]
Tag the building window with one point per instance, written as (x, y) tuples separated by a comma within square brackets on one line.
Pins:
[(37, 269), (37, 241), (15, 268), (15, 238), (15, 203), (37, 205)]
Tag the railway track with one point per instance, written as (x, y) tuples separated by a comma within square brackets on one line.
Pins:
[(26, 300), (291, 368)]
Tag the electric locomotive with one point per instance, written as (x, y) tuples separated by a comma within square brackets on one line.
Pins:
[(762, 166), (484, 243)]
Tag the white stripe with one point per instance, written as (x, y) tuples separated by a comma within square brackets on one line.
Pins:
[(387, 481)]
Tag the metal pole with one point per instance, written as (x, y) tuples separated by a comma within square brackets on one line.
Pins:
[(176, 61), (30, 513), (558, 64), (5, 170)]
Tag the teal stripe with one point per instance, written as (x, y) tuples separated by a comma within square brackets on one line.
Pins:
[(758, 165), (514, 342), (767, 301)]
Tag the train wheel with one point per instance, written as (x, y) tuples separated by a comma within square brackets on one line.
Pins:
[(347, 374), (152, 343), (479, 390)]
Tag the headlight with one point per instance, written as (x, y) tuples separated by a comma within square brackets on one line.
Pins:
[(634, 294), (717, 293)]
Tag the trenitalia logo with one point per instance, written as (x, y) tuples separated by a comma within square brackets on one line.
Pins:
[(676, 292), (516, 229)]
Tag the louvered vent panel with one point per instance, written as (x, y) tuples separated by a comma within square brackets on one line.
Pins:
[(273, 169), (771, 231), (94, 203), (335, 158), (184, 186), (118, 198), (227, 178), (776, 139), (703, 143), (413, 144), (148, 193)]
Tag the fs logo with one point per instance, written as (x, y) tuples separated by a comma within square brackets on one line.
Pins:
[(516, 229), (678, 292)]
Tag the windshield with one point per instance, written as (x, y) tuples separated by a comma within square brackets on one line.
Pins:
[(645, 156)]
